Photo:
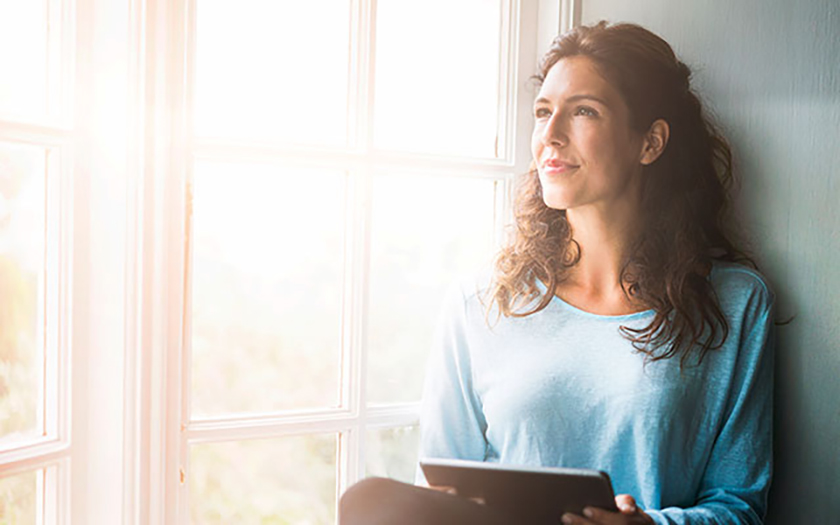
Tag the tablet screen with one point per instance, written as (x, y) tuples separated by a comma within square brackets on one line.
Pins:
[(526, 494)]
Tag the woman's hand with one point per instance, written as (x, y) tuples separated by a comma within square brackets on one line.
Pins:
[(629, 514)]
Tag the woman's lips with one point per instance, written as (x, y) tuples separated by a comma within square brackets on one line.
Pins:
[(555, 166)]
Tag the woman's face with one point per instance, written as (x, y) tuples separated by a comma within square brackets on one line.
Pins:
[(586, 153)]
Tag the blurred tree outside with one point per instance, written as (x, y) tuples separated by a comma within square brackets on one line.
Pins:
[(278, 481), (17, 499), (19, 267), (392, 453), (22, 208), (18, 369)]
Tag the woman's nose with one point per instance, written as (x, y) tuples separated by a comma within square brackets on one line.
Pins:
[(555, 132)]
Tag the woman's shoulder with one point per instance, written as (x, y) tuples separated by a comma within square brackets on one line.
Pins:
[(738, 284)]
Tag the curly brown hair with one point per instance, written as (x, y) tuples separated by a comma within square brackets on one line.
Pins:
[(685, 190)]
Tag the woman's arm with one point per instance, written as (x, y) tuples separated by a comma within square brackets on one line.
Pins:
[(452, 423), (734, 486)]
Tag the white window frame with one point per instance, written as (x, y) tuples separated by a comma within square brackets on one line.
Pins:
[(158, 430), (109, 106)]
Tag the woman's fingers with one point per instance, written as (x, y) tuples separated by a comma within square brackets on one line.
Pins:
[(454, 492), (626, 504), (595, 516), (574, 519), (444, 488)]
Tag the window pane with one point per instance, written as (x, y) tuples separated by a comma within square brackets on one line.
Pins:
[(267, 288), (392, 452), (22, 253), (426, 231), (23, 59), (286, 480), (19, 498), (273, 71), (437, 76)]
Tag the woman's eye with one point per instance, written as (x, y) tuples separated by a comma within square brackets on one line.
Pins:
[(586, 111), (542, 113)]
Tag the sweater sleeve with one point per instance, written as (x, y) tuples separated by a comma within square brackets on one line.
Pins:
[(452, 424), (737, 478)]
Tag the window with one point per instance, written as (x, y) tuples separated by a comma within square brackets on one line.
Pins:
[(340, 172), (246, 216)]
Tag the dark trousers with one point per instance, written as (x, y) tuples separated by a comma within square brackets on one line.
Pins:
[(380, 501)]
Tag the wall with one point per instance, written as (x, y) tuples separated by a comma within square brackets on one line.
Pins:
[(770, 71)]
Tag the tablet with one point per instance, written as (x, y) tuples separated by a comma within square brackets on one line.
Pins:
[(526, 494)]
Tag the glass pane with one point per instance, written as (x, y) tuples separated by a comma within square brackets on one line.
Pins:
[(277, 481), (267, 288), (272, 71), (19, 498), (392, 452), (437, 76), (23, 59), (22, 253), (425, 232)]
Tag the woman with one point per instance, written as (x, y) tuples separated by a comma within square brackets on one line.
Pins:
[(617, 332)]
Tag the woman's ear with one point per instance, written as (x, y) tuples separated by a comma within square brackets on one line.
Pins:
[(656, 139)]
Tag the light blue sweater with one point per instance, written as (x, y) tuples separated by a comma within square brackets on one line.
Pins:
[(564, 388)]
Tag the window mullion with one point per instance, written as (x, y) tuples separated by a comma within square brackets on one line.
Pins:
[(37, 454), (570, 14), (393, 415), (267, 427), (154, 418), (35, 134), (180, 84), (361, 81)]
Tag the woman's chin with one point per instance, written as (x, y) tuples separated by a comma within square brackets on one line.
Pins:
[(556, 202)]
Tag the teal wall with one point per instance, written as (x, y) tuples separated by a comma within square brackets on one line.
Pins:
[(770, 71)]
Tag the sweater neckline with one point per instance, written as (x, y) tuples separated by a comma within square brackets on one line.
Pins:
[(555, 299), (602, 317)]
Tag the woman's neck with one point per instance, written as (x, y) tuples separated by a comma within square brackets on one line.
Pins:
[(594, 283)]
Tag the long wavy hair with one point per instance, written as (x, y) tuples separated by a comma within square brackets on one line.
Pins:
[(686, 190)]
